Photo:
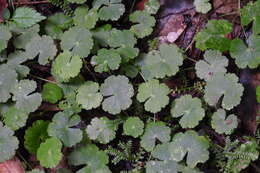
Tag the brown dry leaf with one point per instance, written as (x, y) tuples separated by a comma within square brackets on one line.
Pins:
[(3, 5), (225, 6), (12, 166)]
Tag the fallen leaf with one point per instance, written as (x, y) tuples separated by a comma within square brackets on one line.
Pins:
[(3, 5), (12, 166), (225, 6)]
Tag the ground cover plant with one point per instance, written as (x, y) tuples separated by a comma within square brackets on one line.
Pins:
[(116, 86)]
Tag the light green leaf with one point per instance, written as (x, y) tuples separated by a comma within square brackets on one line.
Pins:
[(51, 93), (78, 40), (213, 63), (154, 94), (106, 60), (118, 92), (62, 127), (102, 129), (90, 155), (5, 35), (26, 17), (246, 55), (213, 36), (26, 100), (88, 95), (121, 38), (145, 23), (162, 151), (26, 36), (127, 53), (190, 109), (35, 135), (15, 60), (222, 123), (152, 6), (101, 34), (8, 79), (14, 118), (225, 85), (49, 153), (133, 126), (8, 143), (42, 47), (110, 9), (155, 131), (66, 66), (192, 145), (163, 62), (202, 6), (86, 18)]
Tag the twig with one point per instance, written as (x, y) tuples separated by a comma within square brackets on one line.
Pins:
[(45, 80), (31, 3)]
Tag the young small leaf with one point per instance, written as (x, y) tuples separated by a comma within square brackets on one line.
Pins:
[(51, 93), (8, 143), (26, 100), (213, 63), (118, 92), (225, 85), (154, 95), (78, 40), (152, 6), (66, 66), (202, 6), (106, 60), (190, 109), (88, 95), (62, 127), (26, 17), (192, 145), (102, 129), (246, 55), (35, 135), (222, 123), (133, 126), (49, 153), (155, 131)]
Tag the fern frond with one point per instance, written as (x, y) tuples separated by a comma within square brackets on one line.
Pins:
[(64, 5)]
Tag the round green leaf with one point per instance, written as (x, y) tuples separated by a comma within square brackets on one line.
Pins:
[(62, 127), (213, 63), (35, 135), (51, 93), (85, 18), (88, 95), (121, 38), (190, 109), (106, 60), (155, 131), (49, 153), (8, 143), (154, 94), (133, 126), (66, 66), (222, 123), (15, 118), (192, 145), (102, 129), (117, 92), (225, 85), (78, 40), (202, 6), (5, 35)]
